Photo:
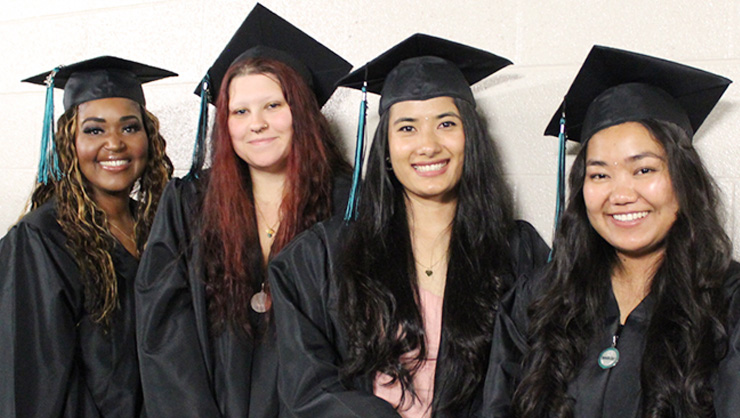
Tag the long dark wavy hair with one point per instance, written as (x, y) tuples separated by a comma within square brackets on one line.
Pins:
[(378, 289), (687, 335), (86, 225), (233, 264)]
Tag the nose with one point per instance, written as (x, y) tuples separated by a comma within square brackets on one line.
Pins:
[(258, 123), (429, 144), (114, 142), (623, 192)]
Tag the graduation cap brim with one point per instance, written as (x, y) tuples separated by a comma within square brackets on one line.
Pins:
[(671, 92), (102, 77), (263, 28), (474, 64)]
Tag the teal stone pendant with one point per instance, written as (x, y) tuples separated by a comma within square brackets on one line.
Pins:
[(609, 358)]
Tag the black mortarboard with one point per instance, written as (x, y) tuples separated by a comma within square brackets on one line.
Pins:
[(422, 67), (265, 34), (100, 78), (93, 79), (616, 86)]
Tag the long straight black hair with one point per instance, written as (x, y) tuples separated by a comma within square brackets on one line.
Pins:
[(687, 336), (379, 294)]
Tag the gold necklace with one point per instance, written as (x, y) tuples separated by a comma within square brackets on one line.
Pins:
[(429, 271), (131, 237), (270, 229)]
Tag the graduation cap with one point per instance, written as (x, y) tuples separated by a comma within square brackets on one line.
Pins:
[(93, 79), (615, 86), (263, 34), (421, 67)]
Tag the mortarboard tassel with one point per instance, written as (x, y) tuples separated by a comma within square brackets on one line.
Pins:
[(560, 203), (351, 212), (199, 153), (48, 160)]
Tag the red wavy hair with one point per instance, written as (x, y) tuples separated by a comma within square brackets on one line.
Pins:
[(232, 253)]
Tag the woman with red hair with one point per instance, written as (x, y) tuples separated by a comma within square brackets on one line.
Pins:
[(203, 328)]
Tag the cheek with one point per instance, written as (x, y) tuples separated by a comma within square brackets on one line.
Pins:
[(593, 197)]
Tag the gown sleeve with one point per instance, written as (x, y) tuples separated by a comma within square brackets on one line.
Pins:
[(307, 336), (38, 326), (173, 371), (727, 386)]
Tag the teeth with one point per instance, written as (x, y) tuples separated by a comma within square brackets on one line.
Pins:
[(625, 217), (113, 163), (430, 167)]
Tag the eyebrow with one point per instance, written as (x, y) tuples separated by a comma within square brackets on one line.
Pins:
[(637, 157), (102, 120), (440, 116)]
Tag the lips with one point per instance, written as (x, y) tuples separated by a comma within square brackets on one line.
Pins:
[(631, 216), (426, 168)]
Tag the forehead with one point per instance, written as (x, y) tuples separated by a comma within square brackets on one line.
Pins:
[(430, 107), (254, 85), (109, 106), (623, 141)]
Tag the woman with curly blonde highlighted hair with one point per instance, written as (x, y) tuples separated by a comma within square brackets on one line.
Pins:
[(67, 289)]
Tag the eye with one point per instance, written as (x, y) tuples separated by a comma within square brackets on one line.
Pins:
[(406, 128), (132, 128), (274, 105), (93, 130), (447, 124), (645, 170), (238, 112), (597, 176)]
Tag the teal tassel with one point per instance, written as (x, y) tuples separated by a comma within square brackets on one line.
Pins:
[(560, 204), (351, 213), (199, 153), (48, 159)]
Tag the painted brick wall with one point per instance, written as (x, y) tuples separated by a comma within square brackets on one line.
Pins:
[(546, 40)]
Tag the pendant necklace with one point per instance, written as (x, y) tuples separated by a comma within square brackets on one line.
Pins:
[(270, 229), (429, 271), (261, 301), (127, 236), (610, 357)]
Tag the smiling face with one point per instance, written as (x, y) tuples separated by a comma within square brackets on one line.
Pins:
[(260, 122), (112, 145), (426, 143), (628, 192)]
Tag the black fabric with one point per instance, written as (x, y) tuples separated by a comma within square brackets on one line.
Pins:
[(422, 67), (679, 94), (54, 361), (597, 392), (265, 34), (311, 341), (102, 77), (187, 371)]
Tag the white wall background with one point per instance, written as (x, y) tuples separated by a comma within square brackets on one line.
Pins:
[(546, 40)]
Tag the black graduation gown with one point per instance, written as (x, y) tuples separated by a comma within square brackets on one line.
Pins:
[(54, 361), (597, 392), (311, 341), (185, 370)]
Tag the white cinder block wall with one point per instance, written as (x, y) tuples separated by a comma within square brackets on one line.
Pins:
[(546, 40)]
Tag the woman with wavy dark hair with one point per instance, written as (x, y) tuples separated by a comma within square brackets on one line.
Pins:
[(393, 314), (69, 265), (640, 306), (205, 345)]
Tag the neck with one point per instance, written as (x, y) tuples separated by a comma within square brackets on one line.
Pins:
[(116, 207), (267, 187), (632, 277)]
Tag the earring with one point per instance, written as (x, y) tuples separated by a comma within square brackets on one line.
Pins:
[(388, 165)]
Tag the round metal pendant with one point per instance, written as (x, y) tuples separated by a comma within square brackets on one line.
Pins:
[(261, 302), (609, 358)]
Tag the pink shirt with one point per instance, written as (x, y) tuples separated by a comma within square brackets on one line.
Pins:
[(424, 378)]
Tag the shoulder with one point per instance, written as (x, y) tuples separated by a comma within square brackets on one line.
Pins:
[(323, 239), (340, 193), (528, 249), (732, 291), (42, 221)]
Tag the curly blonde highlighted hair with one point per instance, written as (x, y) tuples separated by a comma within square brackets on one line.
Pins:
[(86, 225)]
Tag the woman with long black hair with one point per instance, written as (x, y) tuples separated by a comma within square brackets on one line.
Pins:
[(637, 314), (393, 314)]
